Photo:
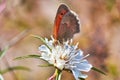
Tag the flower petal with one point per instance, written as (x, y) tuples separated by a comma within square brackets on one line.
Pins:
[(78, 74), (45, 52), (84, 66), (44, 48), (79, 55)]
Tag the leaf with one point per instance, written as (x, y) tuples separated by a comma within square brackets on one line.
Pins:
[(39, 37), (95, 69), (45, 65), (28, 56), (14, 68), (3, 52)]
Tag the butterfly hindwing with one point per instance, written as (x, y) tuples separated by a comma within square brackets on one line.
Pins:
[(69, 26)]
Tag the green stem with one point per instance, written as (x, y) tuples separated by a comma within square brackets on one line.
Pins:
[(59, 73)]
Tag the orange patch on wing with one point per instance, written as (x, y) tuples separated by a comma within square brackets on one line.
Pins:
[(57, 23)]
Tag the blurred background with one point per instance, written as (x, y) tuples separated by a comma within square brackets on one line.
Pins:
[(99, 36)]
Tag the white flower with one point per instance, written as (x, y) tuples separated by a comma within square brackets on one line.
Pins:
[(1, 78), (65, 56)]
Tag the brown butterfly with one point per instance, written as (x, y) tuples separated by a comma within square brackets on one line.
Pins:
[(66, 23)]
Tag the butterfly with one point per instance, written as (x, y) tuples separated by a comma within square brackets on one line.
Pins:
[(66, 24)]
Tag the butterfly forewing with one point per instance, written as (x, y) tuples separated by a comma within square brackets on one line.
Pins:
[(62, 10)]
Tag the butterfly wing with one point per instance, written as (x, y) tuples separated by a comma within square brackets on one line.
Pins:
[(69, 26), (62, 10), (66, 24)]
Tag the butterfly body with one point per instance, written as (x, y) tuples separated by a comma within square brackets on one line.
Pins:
[(66, 24)]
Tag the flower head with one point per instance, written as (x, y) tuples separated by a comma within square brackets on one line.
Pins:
[(65, 57)]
